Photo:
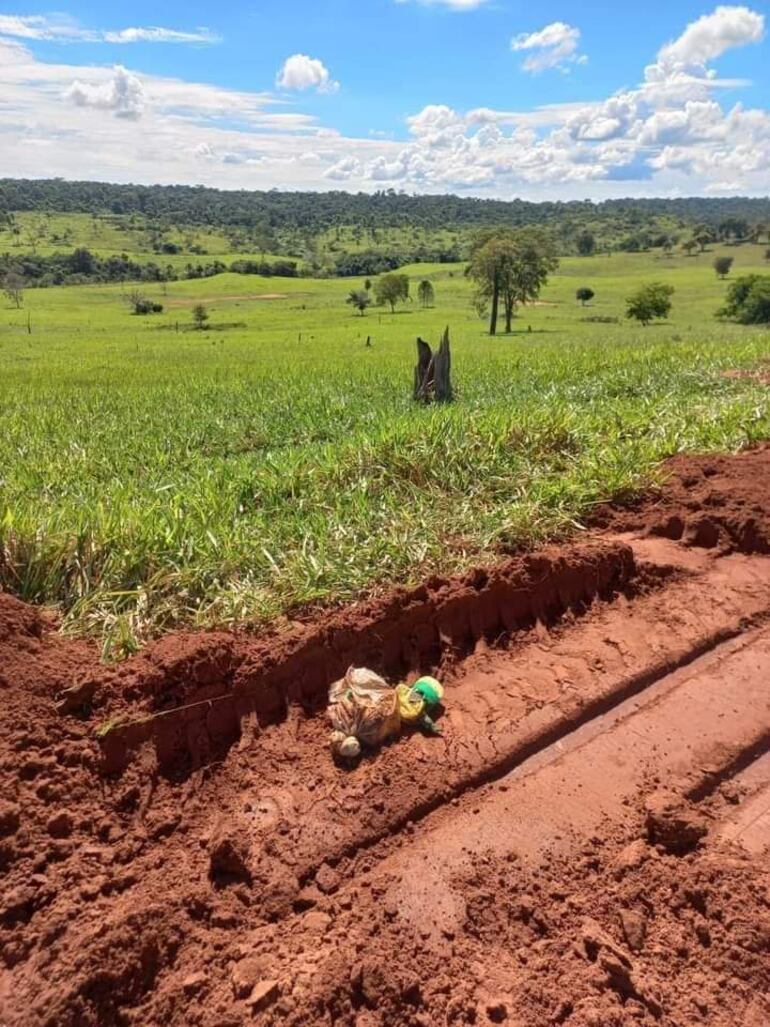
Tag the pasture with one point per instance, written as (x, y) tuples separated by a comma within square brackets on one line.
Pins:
[(155, 475)]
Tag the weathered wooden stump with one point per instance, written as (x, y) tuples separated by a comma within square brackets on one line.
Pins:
[(432, 375)]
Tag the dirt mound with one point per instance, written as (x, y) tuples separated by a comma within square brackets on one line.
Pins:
[(619, 936), (712, 501), (17, 619)]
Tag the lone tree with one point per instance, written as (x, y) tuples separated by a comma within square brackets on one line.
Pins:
[(722, 266), (360, 299), (13, 287), (425, 293), (651, 301), (703, 236), (584, 295), (689, 245), (510, 267), (139, 303), (200, 316), (392, 289)]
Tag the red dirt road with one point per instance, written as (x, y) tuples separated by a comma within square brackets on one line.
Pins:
[(586, 844)]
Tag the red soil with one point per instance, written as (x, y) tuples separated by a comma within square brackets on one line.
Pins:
[(718, 502), (212, 865)]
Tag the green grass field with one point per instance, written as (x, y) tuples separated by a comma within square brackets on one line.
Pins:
[(152, 475)]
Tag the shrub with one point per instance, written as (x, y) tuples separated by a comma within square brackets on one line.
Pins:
[(200, 316), (360, 299), (748, 300), (722, 266), (349, 264)]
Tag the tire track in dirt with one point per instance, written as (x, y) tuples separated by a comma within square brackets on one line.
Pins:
[(503, 706), (748, 823), (688, 731), (696, 721)]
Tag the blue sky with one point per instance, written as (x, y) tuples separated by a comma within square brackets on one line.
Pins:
[(486, 97)]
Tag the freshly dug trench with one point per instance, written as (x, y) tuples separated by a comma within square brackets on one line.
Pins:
[(193, 697)]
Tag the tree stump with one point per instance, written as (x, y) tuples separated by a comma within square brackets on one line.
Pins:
[(432, 375)]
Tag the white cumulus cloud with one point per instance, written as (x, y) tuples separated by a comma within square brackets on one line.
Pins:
[(344, 169), (123, 94), (710, 36), (670, 129), (300, 72), (555, 46)]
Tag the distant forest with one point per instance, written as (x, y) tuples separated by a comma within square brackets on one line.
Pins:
[(318, 212)]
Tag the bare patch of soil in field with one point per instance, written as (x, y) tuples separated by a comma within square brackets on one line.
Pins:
[(760, 374), (585, 844), (245, 297)]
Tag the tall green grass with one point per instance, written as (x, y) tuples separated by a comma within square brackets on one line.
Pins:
[(151, 478)]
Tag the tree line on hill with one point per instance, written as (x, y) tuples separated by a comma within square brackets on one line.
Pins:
[(348, 265), (81, 267), (316, 212)]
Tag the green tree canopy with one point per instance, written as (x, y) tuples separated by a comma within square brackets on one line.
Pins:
[(649, 302), (425, 293), (586, 243), (360, 299), (748, 300), (722, 266), (510, 266), (200, 315), (392, 289), (703, 236)]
